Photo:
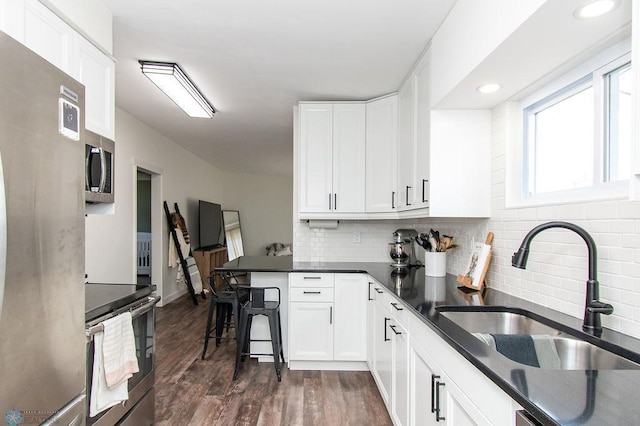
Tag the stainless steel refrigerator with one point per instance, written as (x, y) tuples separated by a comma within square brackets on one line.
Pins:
[(42, 342)]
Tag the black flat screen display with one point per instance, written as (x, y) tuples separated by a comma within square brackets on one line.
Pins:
[(211, 229)]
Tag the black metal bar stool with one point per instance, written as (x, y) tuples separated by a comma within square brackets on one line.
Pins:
[(226, 305), (257, 305)]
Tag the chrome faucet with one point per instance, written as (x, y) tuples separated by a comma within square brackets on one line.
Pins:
[(593, 307)]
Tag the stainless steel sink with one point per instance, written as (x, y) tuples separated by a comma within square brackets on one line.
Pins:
[(574, 352)]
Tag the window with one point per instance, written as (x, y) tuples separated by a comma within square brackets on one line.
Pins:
[(578, 137)]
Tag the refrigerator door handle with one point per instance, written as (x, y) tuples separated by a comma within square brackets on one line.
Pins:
[(3, 235)]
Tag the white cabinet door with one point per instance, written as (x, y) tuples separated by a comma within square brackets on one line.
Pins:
[(350, 336), (383, 350), (348, 158), (311, 331), (371, 302), (47, 35), (422, 373), (465, 137), (316, 157), (332, 158), (423, 131), (406, 146), (381, 152), (97, 72), (400, 375)]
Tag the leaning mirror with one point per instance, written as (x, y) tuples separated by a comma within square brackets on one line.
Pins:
[(233, 233)]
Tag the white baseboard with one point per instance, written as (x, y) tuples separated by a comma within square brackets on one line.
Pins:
[(329, 365)]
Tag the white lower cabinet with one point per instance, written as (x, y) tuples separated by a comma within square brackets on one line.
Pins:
[(421, 378), (446, 389), (382, 347), (422, 387), (327, 319), (400, 373), (312, 327)]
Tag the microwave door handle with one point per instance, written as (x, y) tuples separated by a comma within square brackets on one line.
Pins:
[(91, 160), (103, 170)]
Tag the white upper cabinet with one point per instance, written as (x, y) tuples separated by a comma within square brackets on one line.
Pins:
[(47, 35), (316, 157), (42, 31), (332, 158), (97, 72), (422, 90), (381, 151), (406, 145)]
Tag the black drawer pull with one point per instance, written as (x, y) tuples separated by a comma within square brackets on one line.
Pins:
[(312, 292), (438, 416), (311, 278), (395, 305), (434, 377), (379, 291), (369, 294), (386, 320), (396, 332)]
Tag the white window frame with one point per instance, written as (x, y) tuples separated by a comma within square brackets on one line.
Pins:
[(516, 159)]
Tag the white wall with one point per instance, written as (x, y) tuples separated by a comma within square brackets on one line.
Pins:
[(265, 207), (184, 178)]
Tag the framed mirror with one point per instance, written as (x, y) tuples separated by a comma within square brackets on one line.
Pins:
[(233, 233)]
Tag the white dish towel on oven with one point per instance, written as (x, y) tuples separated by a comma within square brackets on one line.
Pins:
[(114, 362)]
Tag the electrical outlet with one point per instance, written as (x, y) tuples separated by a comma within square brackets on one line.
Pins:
[(356, 237)]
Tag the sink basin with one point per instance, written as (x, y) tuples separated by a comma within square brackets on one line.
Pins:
[(574, 353)]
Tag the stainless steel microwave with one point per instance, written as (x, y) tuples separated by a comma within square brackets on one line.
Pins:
[(99, 162)]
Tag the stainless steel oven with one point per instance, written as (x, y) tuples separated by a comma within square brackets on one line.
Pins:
[(139, 409)]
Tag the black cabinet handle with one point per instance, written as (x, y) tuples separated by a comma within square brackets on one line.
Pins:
[(330, 314), (386, 320), (407, 196), (312, 292), (369, 294), (379, 291), (423, 191), (434, 377), (335, 201), (438, 416), (330, 202), (396, 332), (311, 278), (395, 305), (393, 199)]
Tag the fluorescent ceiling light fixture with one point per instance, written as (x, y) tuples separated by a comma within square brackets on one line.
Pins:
[(595, 8), (170, 78), (488, 88)]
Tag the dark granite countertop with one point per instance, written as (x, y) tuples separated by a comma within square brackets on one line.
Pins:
[(102, 298), (552, 396)]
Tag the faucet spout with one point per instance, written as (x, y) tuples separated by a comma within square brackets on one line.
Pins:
[(593, 307)]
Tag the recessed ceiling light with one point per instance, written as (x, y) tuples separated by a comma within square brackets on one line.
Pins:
[(488, 88), (595, 8)]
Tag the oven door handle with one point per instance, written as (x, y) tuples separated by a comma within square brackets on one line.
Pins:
[(140, 310)]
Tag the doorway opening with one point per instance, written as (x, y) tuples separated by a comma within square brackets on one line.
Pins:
[(143, 231)]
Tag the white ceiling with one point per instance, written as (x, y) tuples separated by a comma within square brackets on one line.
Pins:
[(255, 59)]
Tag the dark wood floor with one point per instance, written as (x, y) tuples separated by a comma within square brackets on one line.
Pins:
[(190, 391)]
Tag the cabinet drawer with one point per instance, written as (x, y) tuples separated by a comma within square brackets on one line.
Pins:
[(311, 279), (311, 294), (399, 312)]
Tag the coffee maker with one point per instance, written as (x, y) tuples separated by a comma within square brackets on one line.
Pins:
[(402, 250)]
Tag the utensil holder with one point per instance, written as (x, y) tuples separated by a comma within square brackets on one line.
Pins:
[(435, 263)]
